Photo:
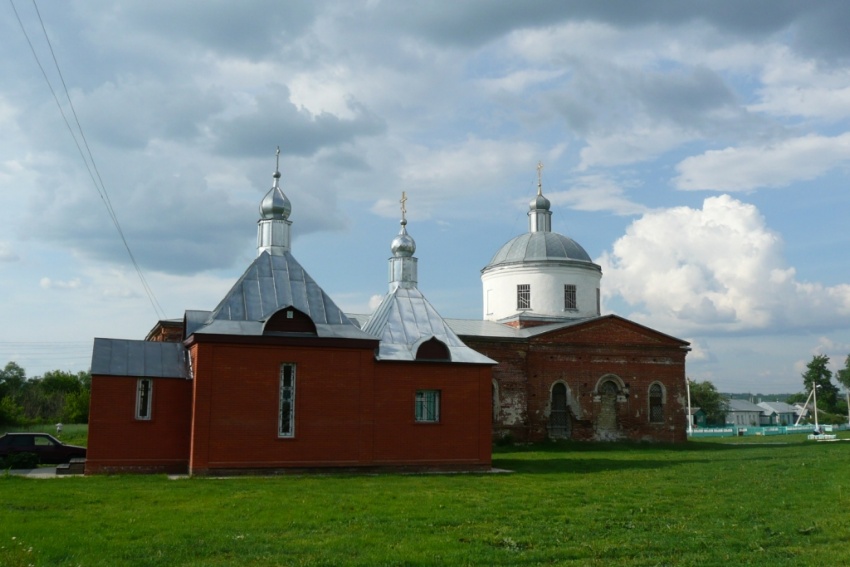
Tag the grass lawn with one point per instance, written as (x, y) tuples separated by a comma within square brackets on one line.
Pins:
[(706, 503)]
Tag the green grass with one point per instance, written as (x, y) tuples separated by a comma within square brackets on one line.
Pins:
[(705, 503)]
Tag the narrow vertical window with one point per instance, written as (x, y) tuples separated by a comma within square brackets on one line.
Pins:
[(144, 391), (427, 408), (656, 404), (523, 296), (569, 296), (286, 417), (598, 302)]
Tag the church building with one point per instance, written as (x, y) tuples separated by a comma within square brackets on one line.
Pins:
[(276, 377), (565, 370)]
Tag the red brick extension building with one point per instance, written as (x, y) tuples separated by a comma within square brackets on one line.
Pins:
[(277, 377)]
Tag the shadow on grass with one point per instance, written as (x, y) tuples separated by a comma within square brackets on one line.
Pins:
[(584, 457)]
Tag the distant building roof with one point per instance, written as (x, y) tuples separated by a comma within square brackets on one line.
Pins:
[(777, 407), (743, 405)]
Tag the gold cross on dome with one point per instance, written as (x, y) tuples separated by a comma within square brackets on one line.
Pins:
[(539, 176), (403, 201)]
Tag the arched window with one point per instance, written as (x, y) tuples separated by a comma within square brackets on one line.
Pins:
[(289, 320), (494, 390), (656, 403), (559, 416), (433, 349)]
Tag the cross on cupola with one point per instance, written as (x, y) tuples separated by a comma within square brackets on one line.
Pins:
[(403, 271), (539, 215)]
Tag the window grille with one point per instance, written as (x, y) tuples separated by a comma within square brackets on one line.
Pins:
[(144, 391), (286, 420), (523, 296), (427, 406), (569, 296), (656, 404)]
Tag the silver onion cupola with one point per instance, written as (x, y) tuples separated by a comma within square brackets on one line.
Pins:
[(273, 228), (402, 272), (539, 215)]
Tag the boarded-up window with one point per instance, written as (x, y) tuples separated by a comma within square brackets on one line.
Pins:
[(656, 404), (286, 420)]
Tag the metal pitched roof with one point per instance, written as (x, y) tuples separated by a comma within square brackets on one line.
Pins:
[(143, 359), (405, 319), (271, 283)]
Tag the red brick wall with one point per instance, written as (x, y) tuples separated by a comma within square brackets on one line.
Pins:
[(346, 410), (579, 357), (463, 434), (118, 442)]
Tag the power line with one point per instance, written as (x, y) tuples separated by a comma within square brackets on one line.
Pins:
[(101, 187)]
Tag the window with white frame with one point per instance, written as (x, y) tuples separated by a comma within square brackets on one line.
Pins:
[(144, 395), (286, 412), (427, 408), (523, 296), (569, 296)]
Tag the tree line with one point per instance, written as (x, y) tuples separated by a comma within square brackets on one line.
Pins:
[(55, 396), (832, 407)]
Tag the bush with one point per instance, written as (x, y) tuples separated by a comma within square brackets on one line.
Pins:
[(19, 461)]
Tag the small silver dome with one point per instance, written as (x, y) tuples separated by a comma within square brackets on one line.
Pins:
[(403, 245), (275, 205), (539, 203)]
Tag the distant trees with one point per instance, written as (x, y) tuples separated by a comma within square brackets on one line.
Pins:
[(843, 375), (706, 397), (831, 406), (55, 396)]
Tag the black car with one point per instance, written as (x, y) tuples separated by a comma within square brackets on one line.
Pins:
[(48, 449)]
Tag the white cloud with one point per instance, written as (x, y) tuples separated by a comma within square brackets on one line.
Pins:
[(47, 283), (719, 268), (596, 193), (474, 167), (792, 86), (746, 168)]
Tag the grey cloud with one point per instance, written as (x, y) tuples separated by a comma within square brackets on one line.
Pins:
[(276, 121), (132, 112), (819, 28), (173, 222), (251, 29)]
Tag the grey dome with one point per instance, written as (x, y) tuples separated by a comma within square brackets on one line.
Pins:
[(539, 247)]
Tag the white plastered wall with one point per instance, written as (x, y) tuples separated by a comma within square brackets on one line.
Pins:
[(547, 282)]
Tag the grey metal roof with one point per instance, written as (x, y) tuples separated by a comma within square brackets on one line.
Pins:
[(540, 246), (271, 283), (405, 319), (143, 359), (777, 407), (478, 328), (743, 405)]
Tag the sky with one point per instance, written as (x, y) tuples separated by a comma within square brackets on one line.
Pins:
[(698, 151)]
